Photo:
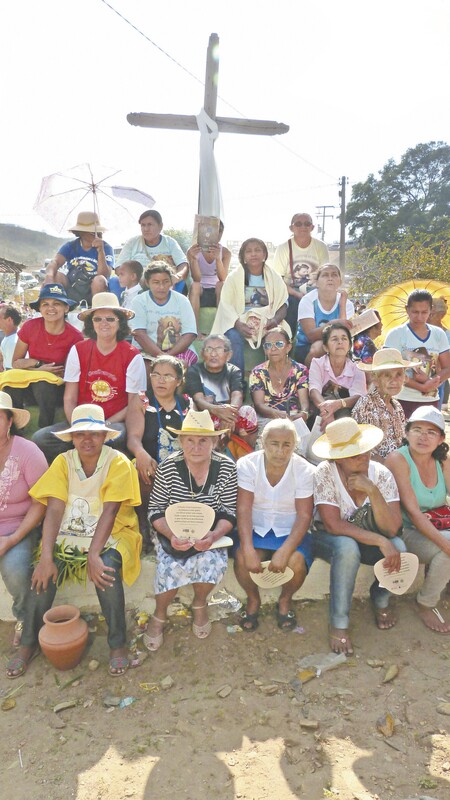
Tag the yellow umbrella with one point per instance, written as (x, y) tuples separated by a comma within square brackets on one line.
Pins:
[(391, 302)]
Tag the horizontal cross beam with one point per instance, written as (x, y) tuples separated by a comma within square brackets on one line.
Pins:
[(260, 127)]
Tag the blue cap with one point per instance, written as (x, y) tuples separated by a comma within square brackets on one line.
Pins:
[(53, 291)]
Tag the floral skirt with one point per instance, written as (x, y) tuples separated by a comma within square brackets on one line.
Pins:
[(172, 573)]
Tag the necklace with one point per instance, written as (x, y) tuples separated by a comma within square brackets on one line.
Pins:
[(193, 494)]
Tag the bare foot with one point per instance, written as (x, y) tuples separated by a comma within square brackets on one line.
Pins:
[(340, 641), (432, 618), (385, 618), (118, 661)]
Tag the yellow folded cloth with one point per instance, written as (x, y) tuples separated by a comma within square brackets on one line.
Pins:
[(21, 378)]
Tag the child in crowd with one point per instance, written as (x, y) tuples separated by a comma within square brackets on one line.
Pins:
[(129, 274), (10, 319), (208, 271)]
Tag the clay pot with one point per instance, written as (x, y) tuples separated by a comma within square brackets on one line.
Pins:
[(63, 636)]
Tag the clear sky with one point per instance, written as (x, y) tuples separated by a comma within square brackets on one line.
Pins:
[(357, 82)]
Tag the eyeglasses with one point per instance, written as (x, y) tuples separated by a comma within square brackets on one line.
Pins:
[(420, 431), (279, 344), (104, 319), (210, 350), (163, 378), (302, 224)]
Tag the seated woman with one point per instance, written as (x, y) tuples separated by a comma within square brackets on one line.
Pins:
[(318, 308), (343, 484), (279, 386), (21, 465), (40, 354), (253, 286), (275, 506), (422, 472), (364, 347), (379, 406), (147, 425), (335, 382), (103, 369), (199, 474), (90, 493)]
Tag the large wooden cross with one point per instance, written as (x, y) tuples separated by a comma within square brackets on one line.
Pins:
[(209, 125)]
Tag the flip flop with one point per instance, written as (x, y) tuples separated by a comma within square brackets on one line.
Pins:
[(20, 664), (286, 622), (248, 622), (116, 663)]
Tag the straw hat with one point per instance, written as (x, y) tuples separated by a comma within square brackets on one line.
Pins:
[(105, 300), (87, 417), (388, 358), (344, 438), (53, 291), (20, 416), (87, 222), (197, 423)]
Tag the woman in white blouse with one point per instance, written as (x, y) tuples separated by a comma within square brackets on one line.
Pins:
[(349, 532), (275, 505)]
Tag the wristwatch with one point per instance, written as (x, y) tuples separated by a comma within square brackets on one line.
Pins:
[(343, 403), (38, 364)]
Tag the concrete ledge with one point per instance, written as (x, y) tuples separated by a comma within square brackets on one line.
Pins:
[(141, 595)]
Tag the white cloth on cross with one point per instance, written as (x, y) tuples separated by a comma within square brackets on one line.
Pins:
[(210, 202)]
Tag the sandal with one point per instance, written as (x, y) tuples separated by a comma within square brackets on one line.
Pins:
[(343, 640), (19, 665), (286, 622), (18, 628), (153, 643), (248, 622), (385, 618), (117, 663), (201, 631)]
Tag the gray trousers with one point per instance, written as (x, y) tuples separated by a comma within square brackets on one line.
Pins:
[(438, 562)]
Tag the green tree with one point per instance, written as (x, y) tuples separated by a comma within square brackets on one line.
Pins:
[(411, 197), (413, 257), (182, 236)]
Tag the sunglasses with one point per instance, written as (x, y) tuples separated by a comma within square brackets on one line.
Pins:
[(210, 350), (279, 344), (104, 319), (302, 224)]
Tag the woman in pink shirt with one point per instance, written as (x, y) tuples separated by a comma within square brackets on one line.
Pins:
[(21, 464)]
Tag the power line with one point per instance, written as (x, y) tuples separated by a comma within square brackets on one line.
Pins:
[(202, 83)]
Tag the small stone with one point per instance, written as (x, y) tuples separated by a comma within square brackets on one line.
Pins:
[(167, 682), (309, 724), (269, 690), (93, 665), (111, 701), (375, 662), (224, 691), (444, 708), (57, 723)]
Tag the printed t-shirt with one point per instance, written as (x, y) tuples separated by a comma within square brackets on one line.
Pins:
[(216, 386), (164, 324), (24, 466), (426, 350), (77, 257), (106, 379), (167, 250), (313, 256)]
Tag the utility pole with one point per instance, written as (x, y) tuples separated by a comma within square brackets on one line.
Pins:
[(324, 217), (342, 184)]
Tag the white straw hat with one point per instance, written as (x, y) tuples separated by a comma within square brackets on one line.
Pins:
[(197, 423), (87, 222), (87, 417), (106, 300), (388, 358), (344, 438), (20, 416)]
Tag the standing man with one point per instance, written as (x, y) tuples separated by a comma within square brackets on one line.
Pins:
[(301, 249), (426, 344)]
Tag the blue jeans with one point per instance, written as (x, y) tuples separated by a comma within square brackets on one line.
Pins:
[(237, 346), (344, 554), (16, 569), (112, 603), (51, 446)]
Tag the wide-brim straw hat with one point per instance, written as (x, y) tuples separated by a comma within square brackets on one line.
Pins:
[(197, 423), (388, 358), (87, 417), (344, 438), (87, 222), (20, 416), (53, 291), (106, 300)]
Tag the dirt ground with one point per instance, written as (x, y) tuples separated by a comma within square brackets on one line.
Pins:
[(269, 737)]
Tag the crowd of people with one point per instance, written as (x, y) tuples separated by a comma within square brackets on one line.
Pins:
[(329, 447)]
